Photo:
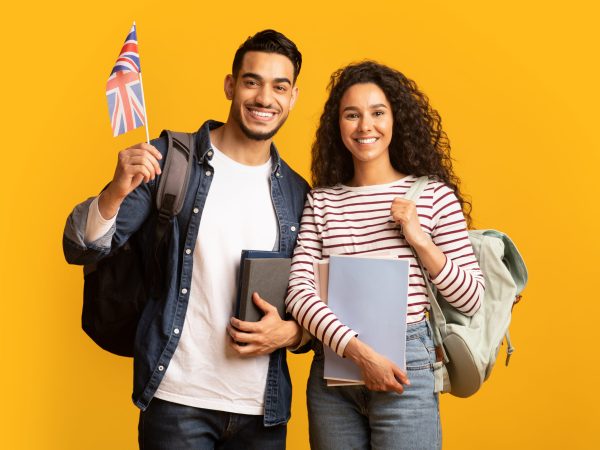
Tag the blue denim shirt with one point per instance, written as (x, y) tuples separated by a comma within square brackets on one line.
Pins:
[(156, 339)]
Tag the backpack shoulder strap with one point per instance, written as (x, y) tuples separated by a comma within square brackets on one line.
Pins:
[(415, 191), (175, 175), (439, 321)]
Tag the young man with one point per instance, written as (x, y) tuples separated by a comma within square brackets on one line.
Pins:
[(196, 385)]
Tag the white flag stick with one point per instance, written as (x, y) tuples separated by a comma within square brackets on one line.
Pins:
[(145, 113), (142, 88)]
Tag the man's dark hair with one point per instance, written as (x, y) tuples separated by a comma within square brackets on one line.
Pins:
[(268, 41)]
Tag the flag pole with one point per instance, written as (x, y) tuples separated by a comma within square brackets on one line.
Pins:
[(143, 97), (145, 113)]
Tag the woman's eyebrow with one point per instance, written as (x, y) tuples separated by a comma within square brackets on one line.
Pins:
[(378, 105)]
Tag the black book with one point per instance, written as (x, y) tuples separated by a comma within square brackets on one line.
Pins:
[(266, 273)]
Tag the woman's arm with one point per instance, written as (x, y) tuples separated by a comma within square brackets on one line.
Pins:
[(447, 254), (303, 301), (305, 305)]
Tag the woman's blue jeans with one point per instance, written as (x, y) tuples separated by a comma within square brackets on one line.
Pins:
[(352, 417)]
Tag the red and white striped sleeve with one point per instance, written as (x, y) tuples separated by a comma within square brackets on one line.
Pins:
[(460, 281), (303, 301)]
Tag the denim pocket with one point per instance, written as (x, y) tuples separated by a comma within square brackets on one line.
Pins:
[(420, 352)]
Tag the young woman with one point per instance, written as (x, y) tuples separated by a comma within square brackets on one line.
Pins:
[(376, 136)]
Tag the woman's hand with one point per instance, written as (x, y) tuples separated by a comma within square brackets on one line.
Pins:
[(379, 373), (404, 213)]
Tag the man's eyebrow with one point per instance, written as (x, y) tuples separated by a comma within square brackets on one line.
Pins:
[(257, 77), (378, 105), (252, 75), (282, 80)]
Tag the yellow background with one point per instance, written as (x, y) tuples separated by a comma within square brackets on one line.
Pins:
[(514, 81)]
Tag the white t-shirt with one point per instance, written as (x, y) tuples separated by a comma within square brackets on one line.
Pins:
[(204, 372)]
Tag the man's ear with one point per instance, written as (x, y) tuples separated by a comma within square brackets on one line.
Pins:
[(295, 94), (228, 86)]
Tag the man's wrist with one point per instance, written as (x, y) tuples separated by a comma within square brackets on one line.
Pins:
[(295, 333), (108, 204)]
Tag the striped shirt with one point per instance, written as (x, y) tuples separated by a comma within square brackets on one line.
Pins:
[(344, 220)]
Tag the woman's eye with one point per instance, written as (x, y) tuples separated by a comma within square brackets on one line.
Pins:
[(379, 113), (352, 116)]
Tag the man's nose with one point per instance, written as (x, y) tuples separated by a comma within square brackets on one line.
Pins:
[(264, 96)]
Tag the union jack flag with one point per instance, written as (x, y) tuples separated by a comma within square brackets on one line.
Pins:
[(124, 89)]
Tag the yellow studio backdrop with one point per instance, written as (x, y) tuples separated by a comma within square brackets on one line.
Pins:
[(516, 84)]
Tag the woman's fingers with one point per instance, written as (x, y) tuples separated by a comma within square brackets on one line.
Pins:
[(400, 375), (403, 210)]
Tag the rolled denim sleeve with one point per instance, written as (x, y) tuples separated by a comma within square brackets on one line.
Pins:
[(132, 214), (76, 250)]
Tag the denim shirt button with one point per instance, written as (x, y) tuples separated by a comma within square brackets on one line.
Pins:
[(176, 331), (208, 173), (188, 251), (293, 228), (161, 368), (209, 154), (196, 210), (184, 291)]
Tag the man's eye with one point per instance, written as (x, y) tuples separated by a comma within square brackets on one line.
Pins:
[(280, 88)]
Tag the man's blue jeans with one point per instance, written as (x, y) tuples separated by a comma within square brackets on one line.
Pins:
[(352, 417), (165, 425)]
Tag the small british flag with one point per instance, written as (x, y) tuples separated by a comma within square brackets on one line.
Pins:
[(124, 90)]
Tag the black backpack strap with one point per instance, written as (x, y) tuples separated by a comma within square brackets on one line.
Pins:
[(174, 178), (175, 174), (170, 196)]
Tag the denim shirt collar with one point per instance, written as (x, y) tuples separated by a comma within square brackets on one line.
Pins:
[(203, 146)]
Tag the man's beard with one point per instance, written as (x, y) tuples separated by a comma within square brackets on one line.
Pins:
[(255, 135)]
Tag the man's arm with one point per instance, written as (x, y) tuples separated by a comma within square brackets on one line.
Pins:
[(130, 191)]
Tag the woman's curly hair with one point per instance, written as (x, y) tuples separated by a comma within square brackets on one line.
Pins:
[(419, 146)]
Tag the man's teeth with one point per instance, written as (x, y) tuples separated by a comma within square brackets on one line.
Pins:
[(366, 141), (262, 114)]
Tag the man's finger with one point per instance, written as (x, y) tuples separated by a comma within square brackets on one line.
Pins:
[(150, 163), (238, 336), (262, 304), (138, 156), (245, 350), (242, 325), (151, 148)]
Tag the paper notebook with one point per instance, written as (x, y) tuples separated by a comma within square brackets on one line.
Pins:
[(370, 295)]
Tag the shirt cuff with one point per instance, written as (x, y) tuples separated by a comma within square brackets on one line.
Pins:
[(344, 341), (96, 225)]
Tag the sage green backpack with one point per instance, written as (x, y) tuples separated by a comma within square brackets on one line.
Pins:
[(468, 346)]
